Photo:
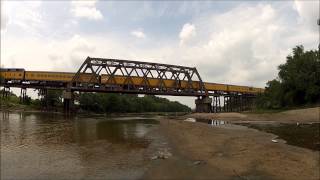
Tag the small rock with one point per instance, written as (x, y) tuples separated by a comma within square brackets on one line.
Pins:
[(273, 140), (154, 157), (198, 162), (162, 155), (190, 120), (220, 154)]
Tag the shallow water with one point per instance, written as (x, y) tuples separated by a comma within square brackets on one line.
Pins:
[(52, 146), (305, 135)]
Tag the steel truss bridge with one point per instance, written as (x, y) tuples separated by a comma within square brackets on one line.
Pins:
[(133, 77)]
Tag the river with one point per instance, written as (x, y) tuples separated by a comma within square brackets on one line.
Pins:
[(54, 146)]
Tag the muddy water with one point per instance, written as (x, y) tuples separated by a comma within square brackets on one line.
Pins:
[(51, 146), (305, 135)]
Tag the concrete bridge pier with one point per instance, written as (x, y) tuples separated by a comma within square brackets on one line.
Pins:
[(23, 95), (204, 104), (216, 105), (43, 93), (5, 92), (67, 101)]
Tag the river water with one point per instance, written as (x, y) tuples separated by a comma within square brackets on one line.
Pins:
[(52, 146)]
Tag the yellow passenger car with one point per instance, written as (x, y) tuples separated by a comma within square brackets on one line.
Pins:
[(152, 82), (57, 76), (12, 74), (216, 87)]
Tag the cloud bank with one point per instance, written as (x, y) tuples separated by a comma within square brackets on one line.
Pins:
[(86, 9), (242, 44)]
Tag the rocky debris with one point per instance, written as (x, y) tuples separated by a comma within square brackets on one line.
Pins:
[(190, 120), (199, 162), (165, 154)]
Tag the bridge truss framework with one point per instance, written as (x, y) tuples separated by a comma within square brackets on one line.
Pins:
[(130, 69)]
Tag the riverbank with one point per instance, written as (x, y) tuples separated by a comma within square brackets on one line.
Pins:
[(297, 115), (205, 152), (201, 151), (140, 147)]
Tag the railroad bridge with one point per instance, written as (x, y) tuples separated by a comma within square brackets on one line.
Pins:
[(132, 77)]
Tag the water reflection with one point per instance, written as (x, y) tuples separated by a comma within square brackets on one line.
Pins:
[(87, 146), (217, 122), (47, 128)]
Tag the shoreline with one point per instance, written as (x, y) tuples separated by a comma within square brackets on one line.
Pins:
[(205, 152), (307, 115)]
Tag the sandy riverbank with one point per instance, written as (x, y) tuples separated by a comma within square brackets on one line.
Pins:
[(204, 152), (297, 115)]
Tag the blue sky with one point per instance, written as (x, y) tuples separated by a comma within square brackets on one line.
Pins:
[(238, 42)]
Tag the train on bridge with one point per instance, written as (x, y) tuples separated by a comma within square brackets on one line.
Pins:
[(14, 75), (132, 77)]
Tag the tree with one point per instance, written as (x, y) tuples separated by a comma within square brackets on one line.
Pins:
[(54, 97), (112, 102), (299, 81)]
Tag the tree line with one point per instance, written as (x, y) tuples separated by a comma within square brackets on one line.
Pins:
[(102, 102), (297, 84), (111, 102)]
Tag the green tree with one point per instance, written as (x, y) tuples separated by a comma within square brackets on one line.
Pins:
[(298, 84), (54, 97), (112, 102)]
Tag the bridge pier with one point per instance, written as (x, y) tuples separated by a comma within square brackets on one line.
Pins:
[(43, 94), (216, 105), (5, 92), (67, 101), (203, 104), (23, 95)]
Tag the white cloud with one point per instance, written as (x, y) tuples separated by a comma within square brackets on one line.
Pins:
[(240, 46), (86, 9), (308, 12), (138, 34), (24, 16), (4, 17), (187, 32), (244, 45)]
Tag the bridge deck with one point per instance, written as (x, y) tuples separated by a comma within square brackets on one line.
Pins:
[(59, 80)]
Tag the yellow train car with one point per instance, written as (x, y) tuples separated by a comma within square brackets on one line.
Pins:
[(56, 76), (258, 90), (241, 89), (48, 76), (137, 81), (88, 77), (194, 85), (21, 74), (232, 88), (152, 82), (216, 87), (12, 74)]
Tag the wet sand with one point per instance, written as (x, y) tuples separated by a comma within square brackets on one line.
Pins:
[(290, 116), (201, 151)]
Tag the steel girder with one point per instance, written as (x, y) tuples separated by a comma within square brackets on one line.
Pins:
[(128, 69)]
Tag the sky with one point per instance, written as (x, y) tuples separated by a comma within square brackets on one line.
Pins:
[(234, 42)]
